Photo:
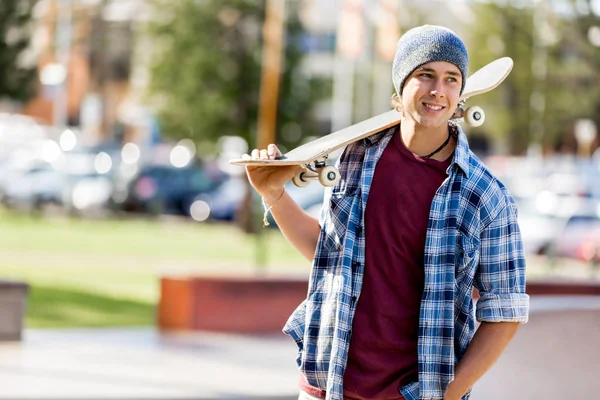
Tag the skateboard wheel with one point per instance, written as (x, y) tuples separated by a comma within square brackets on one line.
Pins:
[(474, 116), (299, 179), (329, 176)]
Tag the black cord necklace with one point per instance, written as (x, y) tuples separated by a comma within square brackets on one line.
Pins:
[(441, 147)]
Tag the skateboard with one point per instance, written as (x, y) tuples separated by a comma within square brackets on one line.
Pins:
[(313, 155)]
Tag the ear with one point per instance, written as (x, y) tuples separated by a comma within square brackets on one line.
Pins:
[(397, 102)]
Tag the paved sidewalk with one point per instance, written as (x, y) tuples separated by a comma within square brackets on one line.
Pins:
[(143, 364), (554, 356)]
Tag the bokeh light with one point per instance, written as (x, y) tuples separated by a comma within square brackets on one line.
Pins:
[(103, 163), (199, 210), (53, 74), (130, 154), (594, 36), (68, 140), (180, 156), (50, 151)]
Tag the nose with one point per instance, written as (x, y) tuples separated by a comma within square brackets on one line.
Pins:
[(438, 88)]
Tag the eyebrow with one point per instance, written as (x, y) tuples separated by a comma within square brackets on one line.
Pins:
[(434, 71)]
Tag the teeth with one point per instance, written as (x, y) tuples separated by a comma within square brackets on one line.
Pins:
[(435, 108)]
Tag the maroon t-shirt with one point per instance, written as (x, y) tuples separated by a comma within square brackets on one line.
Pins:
[(383, 354)]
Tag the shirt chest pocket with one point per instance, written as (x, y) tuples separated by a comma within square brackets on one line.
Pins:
[(467, 255), (341, 208)]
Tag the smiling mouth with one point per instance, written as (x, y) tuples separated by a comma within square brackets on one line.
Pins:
[(433, 107)]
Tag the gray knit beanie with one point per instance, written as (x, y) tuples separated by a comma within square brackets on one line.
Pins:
[(425, 44)]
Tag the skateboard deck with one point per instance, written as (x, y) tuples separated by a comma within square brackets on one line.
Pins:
[(313, 154)]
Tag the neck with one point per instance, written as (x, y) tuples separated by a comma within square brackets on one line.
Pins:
[(422, 141)]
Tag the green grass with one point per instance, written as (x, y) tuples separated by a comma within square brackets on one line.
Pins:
[(136, 237), (55, 306), (107, 272)]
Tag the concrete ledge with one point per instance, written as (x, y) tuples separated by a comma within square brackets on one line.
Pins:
[(13, 301), (228, 304), (562, 303)]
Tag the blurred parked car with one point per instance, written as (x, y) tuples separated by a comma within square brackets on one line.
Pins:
[(589, 250), (77, 180), (579, 239), (538, 229), (570, 186), (223, 203), (40, 184), (159, 189), (89, 194), (15, 163)]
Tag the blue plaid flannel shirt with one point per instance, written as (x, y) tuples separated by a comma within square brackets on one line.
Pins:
[(473, 240)]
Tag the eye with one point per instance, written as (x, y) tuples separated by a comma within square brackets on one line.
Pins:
[(452, 79), (427, 75)]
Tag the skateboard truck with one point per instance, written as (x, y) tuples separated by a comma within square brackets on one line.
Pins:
[(474, 115), (328, 175)]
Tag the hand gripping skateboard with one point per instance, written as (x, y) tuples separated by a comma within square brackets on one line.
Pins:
[(313, 155)]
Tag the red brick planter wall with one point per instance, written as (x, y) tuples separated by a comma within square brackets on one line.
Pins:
[(243, 305), (554, 287)]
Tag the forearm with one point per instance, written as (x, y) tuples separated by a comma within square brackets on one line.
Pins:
[(299, 228), (487, 345)]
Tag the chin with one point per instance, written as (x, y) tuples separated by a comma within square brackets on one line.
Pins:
[(429, 123)]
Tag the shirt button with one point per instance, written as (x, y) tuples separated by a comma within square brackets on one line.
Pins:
[(354, 299), (359, 230)]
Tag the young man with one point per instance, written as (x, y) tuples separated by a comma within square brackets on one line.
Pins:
[(414, 224)]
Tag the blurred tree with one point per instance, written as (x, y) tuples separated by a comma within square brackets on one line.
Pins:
[(579, 53), (503, 31), (537, 39), (205, 72), (16, 77)]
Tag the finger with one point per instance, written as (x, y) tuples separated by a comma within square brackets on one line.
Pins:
[(273, 151), (264, 155), (246, 157), (255, 154)]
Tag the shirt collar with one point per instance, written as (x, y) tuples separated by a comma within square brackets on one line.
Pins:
[(461, 152)]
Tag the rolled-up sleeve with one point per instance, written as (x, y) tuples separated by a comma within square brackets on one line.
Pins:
[(501, 274)]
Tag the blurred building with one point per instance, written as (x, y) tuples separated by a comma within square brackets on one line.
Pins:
[(94, 39), (354, 42)]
